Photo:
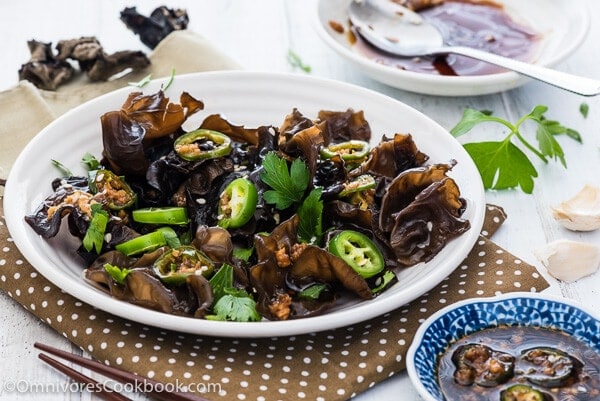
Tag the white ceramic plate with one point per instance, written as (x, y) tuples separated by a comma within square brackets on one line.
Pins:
[(563, 25), (251, 99)]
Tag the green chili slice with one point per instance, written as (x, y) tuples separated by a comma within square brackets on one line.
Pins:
[(482, 365), (117, 193), (175, 265), (352, 150), (548, 367), (202, 144), (358, 251), (361, 183), (237, 204), (161, 215), (144, 243), (521, 392)]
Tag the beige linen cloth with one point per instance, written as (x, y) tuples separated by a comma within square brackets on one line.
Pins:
[(330, 365)]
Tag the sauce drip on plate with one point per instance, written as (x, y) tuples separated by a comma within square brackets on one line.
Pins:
[(485, 26)]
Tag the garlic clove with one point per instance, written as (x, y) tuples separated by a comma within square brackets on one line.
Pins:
[(581, 212), (568, 260)]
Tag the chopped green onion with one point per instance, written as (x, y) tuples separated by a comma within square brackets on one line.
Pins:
[(171, 78), (62, 168), (94, 236), (116, 273), (143, 82)]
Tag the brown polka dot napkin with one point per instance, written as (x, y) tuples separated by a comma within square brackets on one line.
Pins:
[(330, 365)]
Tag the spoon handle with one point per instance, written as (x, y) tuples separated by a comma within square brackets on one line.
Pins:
[(573, 83)]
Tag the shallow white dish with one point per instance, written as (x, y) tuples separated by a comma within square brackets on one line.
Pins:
[(563, 25), (251, 99)]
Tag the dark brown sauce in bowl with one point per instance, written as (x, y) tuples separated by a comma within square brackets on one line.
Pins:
[(485, 26), (583, 384)]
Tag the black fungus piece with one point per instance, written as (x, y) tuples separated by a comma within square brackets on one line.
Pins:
[(98, 65), (48, 71), (157, 26), (426, 225), (341, 126), (44, 70)]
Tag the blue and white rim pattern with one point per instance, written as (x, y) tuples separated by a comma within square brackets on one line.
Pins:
[(458, 320)]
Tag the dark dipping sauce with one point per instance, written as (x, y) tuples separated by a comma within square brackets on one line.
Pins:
[(582, 384), (484, 26)]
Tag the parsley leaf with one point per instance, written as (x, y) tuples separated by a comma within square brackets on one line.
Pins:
[(231, 303), (237, 309), (288, 186), (503, 164), (243, 253), (90, 161), (94, 236), (310, 212), (221, 281)]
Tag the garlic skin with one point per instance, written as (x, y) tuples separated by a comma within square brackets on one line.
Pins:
[(568, 260), (581, 212)]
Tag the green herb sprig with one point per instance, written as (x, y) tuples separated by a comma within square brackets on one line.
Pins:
[(310, 213), (503, 164), (295, 61), (288, 185), (231, 303)]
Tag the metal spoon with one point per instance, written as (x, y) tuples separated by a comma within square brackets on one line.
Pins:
[(400, 31)]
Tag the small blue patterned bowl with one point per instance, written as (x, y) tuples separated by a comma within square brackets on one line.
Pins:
[(457, 320)]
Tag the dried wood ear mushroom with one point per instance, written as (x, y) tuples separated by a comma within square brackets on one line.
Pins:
[(44, 70), (157, 26), (48, 71)]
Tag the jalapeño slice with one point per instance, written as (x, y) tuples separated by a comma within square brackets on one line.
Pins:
[(481, 365), (202, 144), (548, 367), (174, 266), (521, 392), (358, 251), (144, 243), (361, 183), (237, 204), (171, 215), (353, 150), (116, 192)]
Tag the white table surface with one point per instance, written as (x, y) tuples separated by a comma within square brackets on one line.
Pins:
[(258, 34)]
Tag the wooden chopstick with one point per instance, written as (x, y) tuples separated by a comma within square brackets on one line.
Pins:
[(99, 389), (148, 385)]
